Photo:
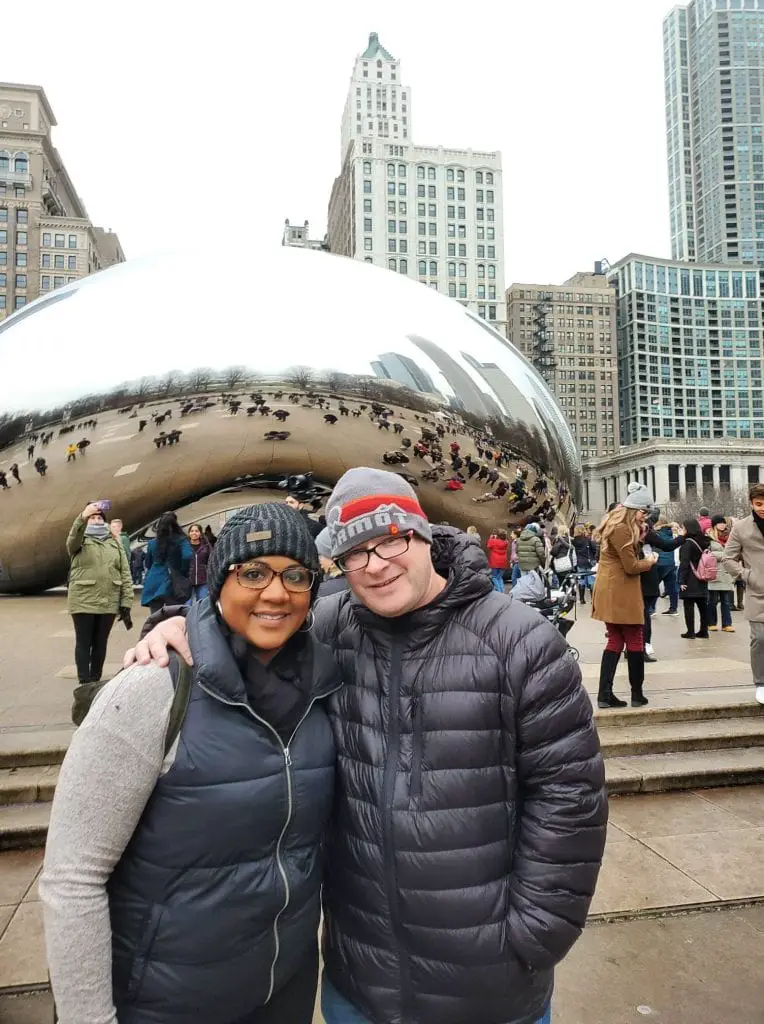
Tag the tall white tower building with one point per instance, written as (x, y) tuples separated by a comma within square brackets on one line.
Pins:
[(432, 213)]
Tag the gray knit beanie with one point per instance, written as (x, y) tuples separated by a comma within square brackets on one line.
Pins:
[(368, 503), (324, 544), (640, 499), (269, 529)]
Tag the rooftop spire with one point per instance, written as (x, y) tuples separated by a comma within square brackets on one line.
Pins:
[(376, 49)]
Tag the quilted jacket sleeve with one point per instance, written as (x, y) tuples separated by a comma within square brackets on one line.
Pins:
[(562, 801)]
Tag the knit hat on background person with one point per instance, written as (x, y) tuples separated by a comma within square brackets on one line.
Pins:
[(258, 530), (633, 486), (640, 498), (323, 544), (715, 520), (368, 503)]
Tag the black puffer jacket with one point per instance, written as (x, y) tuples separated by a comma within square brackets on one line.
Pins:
[(470, 811)]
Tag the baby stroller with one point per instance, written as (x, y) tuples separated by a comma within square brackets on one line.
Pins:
[(535, 590)]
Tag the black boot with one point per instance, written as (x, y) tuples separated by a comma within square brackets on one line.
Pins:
[(582, 595), (636, 662), (605, 697)]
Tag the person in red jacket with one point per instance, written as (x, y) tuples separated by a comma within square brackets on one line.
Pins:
[(498, 548)]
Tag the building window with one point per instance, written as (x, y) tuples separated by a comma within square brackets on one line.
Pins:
[(451, 230), (367, 224), (452, 248), (3, 236), (489, 196), (403, 246), (3, 258), (402, 208), (401, 170), (422, 268), (431, 173), (492, 312), (461, 231), (479, 177), (491, 252), (45, 259), (431, 191), (450, 193), (460, 213), (58, 282), (433, 227), (421, 228), (3, 215), (403, 266), (45, 282), (72, 241), (402, 227), (491, 291), (480, 213), (481, 270), (20, 300), (481, 291), (462, 291), (390, 227), (452, 270), (433, 268), (391, 245), (433, 249), (451, 212), (46, 238), (420, 191), (452, 289), (462, 249), (481, 311), (462, 270), (2, 280), (21, 280), (392, 264), (489, 178), (490, 234), (450, 174), (2, 302), (422, 248), (460, 175), (432, 210), (479, 195), (21, 164), (22, 216), (21, 259), (59, 262), (21, 238), (60, 240), (366, 244), (391, 170), (420, 173), (489, 213), (391, 188), (366, 209), (401, 188), (481, 252), (20, 191)]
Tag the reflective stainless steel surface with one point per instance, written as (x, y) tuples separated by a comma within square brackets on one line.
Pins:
[(300, 328)]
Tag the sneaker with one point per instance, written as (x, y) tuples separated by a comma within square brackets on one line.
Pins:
[(727, 629), (691, 636), (670, 613), (760, 694), (714, 629)]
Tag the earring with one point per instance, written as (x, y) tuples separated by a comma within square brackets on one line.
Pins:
[(220, 610), (312, 619)]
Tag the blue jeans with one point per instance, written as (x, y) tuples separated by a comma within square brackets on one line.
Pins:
[(337, 1010), (723, 597), (199, 593), (667, 575), (497, 578), (516, 574)]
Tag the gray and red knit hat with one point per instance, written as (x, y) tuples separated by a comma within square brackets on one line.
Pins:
[(368, 503)]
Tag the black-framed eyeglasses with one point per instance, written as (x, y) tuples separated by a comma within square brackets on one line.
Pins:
[(257, 576), (388, 548)]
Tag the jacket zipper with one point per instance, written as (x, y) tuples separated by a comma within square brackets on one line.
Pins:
[(388, 796), (287, 768), (416, 747)]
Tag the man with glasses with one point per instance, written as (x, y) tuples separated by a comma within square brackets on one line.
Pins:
[(471, 811)]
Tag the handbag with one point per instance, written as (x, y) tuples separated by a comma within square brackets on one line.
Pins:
[(180, 586), (564, 563)]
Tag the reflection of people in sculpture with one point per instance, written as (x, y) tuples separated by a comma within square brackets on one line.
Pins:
[(210, 813), (330, 418)]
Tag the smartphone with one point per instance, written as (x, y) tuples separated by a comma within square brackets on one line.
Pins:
[(104, 504)]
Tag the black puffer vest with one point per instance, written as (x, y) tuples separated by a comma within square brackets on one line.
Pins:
[(215, 902), (470, 811)]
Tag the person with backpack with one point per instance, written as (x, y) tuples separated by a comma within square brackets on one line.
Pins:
[(183, 872), (167, 564), (563, 554), (697, 566)]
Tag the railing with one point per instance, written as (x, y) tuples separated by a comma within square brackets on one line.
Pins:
[(16, 177)]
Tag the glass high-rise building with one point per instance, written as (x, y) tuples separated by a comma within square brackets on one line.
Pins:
[(714, 73)]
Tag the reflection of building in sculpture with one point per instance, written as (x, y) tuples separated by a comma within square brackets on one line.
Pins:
[(394, 366), (515, 403), (467, 396), (299, 236), (49, 238), (432, 213), (568, 332)]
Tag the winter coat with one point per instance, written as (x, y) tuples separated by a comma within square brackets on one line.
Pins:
[(563, 547), (617, 593), (666, 559), (471, 808), (217, 894), (157, 583), (100, 582), (497, 552), (586, 553), (724, 580), (705, 523), (124, 540), (651, 582), (531, 552), (200, 556), (689, 556), (744, 561)]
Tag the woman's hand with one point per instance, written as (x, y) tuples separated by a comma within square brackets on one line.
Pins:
[(683, 587), (652, 558), (91, 510)]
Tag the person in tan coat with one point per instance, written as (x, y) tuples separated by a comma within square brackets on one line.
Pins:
[(617, 599), (744, 560)]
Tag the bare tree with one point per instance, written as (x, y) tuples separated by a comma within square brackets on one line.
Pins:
[(234, 375), (724, 502), (333, 379), (200, 379), (300, 376), (170, 382), (143, 387), (368, 387)]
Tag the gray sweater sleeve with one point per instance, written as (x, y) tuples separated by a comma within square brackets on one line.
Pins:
[(108, 775)]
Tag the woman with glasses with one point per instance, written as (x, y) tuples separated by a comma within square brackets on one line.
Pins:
[(183, 884)]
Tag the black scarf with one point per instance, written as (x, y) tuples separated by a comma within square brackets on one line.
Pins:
[(281, 690), (759, 522)]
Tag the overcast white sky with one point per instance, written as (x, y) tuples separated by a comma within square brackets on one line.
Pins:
[(187, 125)]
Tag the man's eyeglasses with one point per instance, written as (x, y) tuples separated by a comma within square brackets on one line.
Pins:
[(388, 548), (258, 576)]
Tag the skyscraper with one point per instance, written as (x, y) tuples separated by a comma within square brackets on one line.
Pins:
[(714, 72), (432, 213)]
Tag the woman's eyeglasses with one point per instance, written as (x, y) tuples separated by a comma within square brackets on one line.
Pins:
[(388, 548), (258, 576)]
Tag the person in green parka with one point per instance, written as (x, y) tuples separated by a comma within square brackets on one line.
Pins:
[(100, 587)]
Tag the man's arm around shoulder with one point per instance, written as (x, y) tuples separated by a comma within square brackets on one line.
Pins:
[(561, 797)]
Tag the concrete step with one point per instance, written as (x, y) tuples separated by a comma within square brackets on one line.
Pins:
[(692, 769), (24, 748), (27, 785), (692, 713), (678, 737), (23, 825)]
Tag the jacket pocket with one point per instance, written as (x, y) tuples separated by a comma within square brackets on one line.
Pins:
[(144, 946)]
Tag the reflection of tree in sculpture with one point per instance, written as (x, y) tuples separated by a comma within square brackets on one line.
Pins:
[(299, 376), (200, 379), (234, 375)]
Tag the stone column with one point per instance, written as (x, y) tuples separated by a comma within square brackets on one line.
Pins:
[(717, 481), (661, 483), (682, 482), (738, 477)]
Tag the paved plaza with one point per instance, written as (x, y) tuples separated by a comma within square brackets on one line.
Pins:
[(670, 937)]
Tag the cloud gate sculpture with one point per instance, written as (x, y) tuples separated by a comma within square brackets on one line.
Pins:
[(309, 363)]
